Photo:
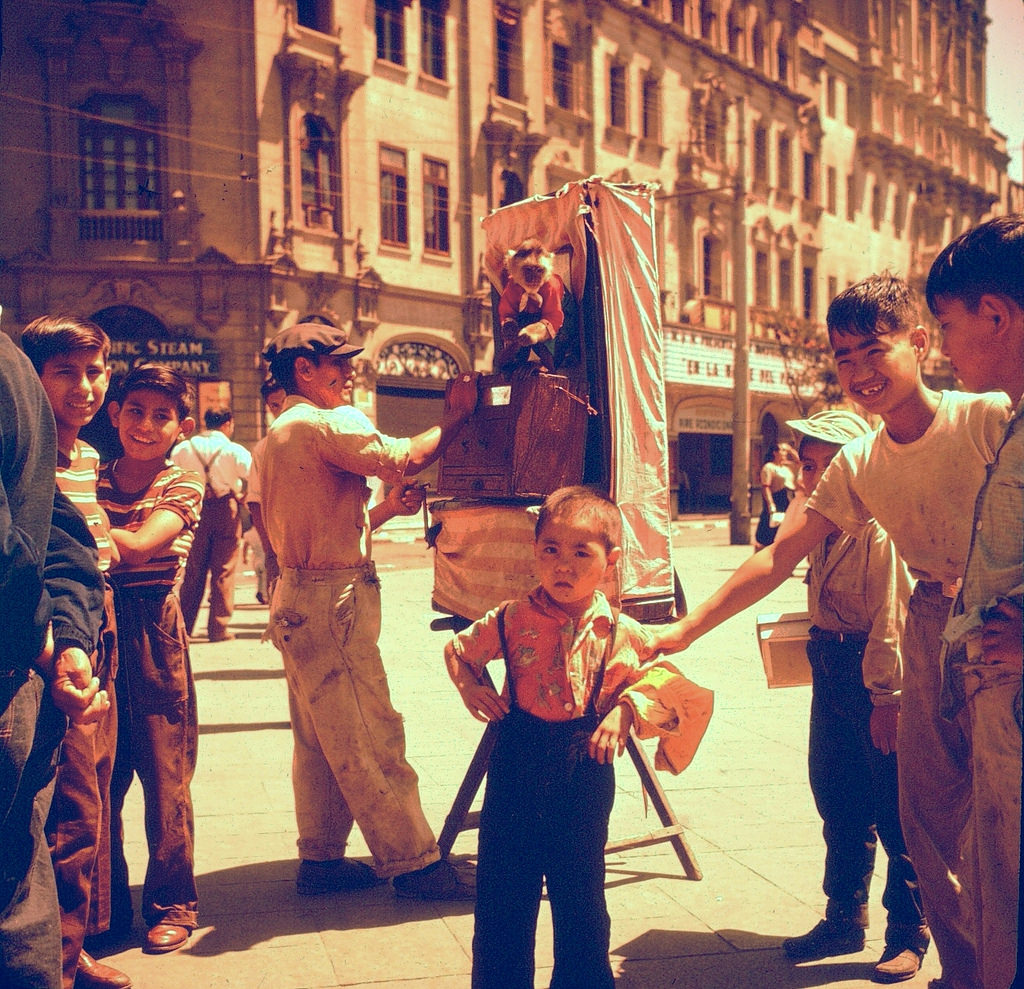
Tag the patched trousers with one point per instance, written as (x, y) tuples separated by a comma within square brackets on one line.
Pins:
[(349, 760), (157, 738)]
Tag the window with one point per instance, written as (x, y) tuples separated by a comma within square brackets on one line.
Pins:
[(617, 95), (757, 46), (782, 54), (810, 177), (785, 163), (833, 287), (119, 155), (877, 206), (734, 30), (708, 14), (832, 190), (315, 14), (433, 51), (711, 275), (786, 284), (851, 197), (508, 69), (394, 197), (650, 109), (712, 147), (830, 96), (389, 22), (561, 76), (435, 206), (678, 11), (807, 287), (316, 157), (761, 154), (761, 283)]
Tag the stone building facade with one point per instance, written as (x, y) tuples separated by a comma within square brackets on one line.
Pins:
[(196, 176)]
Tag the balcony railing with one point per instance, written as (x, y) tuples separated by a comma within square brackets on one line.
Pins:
[(121, 225)]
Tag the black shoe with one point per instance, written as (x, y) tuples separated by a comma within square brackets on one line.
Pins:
[(438, 881), (827, 938), (334, 876)]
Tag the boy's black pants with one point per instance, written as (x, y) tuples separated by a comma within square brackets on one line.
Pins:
[(545, 816), (855, 790)]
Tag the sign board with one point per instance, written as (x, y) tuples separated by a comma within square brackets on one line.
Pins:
[(191, 358)]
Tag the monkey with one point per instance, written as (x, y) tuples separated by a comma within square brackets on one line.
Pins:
[(530, 308)]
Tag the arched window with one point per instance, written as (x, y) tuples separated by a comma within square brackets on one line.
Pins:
[(316, 154)]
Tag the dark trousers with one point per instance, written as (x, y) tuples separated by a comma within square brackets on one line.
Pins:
[(78, 828), (544, 817), (855, 788), (31, 728), (157, 739), (214, 552)]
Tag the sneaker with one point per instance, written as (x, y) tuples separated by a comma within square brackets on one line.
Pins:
[(897, 964), (438, 881), (334, 876), (825, 939)]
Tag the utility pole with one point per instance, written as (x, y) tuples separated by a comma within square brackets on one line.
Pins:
[(739, 515)]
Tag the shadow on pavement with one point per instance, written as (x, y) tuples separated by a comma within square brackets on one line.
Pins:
[(248, 905)]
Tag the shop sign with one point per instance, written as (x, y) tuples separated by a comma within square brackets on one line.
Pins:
[(702, 419), (191, 358)]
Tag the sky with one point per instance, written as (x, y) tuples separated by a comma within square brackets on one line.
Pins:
[(1005, 78)]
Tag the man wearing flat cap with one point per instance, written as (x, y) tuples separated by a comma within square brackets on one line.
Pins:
[(349, 764)]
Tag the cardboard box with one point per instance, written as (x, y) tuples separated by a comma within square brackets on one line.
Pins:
[(525, 439), (783, 641)]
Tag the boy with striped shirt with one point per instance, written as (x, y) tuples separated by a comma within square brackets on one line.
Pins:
[(154, 508)]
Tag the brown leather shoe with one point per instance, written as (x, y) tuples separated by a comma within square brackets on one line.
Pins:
[(95, 975), (162, 938)]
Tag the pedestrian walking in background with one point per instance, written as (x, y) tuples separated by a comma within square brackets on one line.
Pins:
[(224, 466)]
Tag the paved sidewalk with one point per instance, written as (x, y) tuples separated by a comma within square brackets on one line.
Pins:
[(745, 802)]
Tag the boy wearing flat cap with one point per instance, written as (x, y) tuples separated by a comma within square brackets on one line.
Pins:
[(349, 764), (857, 596)]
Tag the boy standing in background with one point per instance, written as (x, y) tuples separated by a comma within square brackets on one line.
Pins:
[(154, 507), (858, 589), (70, 357)]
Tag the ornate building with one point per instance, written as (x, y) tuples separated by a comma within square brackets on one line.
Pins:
[(195, 176)]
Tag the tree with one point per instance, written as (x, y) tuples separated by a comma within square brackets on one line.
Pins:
[(807, 364)]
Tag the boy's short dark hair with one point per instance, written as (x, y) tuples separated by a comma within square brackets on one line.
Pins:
[(215, 418), (874, 307), (161, 378), (49, 336), (986, 260), (268, 388), (584, 507)]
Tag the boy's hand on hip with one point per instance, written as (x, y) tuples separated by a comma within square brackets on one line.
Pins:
[(483, 702), (609, 740), (884, 721)]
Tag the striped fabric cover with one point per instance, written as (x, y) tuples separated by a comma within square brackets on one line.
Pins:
[(483, 555)]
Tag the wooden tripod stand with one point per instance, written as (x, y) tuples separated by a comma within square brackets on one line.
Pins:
[(461, 818)]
